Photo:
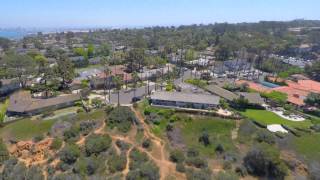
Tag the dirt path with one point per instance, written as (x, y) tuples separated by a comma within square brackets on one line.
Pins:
[(234, 132), (167, 168), (126, 170)]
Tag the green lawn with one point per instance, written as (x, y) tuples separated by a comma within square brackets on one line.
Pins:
[(267, 118), (308, 146), (79, 70), (219, 131), (26, 129)]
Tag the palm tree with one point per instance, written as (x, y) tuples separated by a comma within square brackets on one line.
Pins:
[(135, 78), (105, 64), (118, 84)]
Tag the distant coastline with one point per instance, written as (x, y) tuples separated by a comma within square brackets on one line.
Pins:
[(12, 34)]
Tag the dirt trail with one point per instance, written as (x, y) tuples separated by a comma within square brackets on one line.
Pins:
[(126, 170), (234, 132), (167, 168)]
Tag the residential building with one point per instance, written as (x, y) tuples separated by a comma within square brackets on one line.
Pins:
[(8, 86), (184, 100), (23, 104)]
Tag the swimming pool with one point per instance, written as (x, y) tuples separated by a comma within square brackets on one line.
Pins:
[(268, 84)]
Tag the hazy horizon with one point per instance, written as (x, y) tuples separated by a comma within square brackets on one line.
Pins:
[(142, 13)]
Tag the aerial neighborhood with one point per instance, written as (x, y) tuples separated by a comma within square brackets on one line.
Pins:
[(216, 101)]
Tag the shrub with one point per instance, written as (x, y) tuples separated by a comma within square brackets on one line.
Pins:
[(96, 144), (122, 145), (146, 143), (177, 156), (219, 149), (180, 167), (204, 174), (86, 166), (204, 138), (227, 176), (192, 152), (4, 154), (241, 171), (137, 159), (38, 138), (265, 136), (71, 134), (69, 154), (87, 126), (56, 144), (117, 163), (121, 118), (264, 161), (146, 171), (197, 162)]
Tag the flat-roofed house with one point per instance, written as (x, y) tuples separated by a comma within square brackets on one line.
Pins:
[(184, 100), (8, 86), (23, 104)]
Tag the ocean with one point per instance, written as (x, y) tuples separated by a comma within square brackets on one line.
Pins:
[(12, 34)]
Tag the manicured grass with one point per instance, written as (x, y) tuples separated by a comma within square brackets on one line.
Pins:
[(26, 129), (267, 118), (219, 131), (79, 70), (308, 146)]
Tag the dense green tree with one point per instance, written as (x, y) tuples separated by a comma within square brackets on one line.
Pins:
[(20, 67), (313, 70), (64, 70), (313, 99)]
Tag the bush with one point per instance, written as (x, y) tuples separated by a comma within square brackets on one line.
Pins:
[(69, 154), (71, 134), (137, 159), (180, 167), (204, 138), (86, 166), (227, 176), (87, 126), (192, 152), (146, 171), (241, 171), (117, 163), (264, 161), (121, 118), (4, 154), (122, 145), (146, 143), (96, 144), (177, 156), (204, 174), (197, 162), (265, 136), (56, 144), (38, 138), (219, 149)]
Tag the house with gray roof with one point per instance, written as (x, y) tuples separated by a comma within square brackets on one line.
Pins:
[(23, 104), (253, 98), (184, 100)]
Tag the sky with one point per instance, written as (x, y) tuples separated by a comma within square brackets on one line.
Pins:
[(134, 13)]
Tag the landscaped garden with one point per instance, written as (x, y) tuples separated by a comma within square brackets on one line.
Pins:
[(268, 118)]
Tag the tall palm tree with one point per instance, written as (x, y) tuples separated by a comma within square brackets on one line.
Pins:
[(118, 84), (135, 78), (105, 63)]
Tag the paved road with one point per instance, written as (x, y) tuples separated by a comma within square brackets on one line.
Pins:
[(127, 95)]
